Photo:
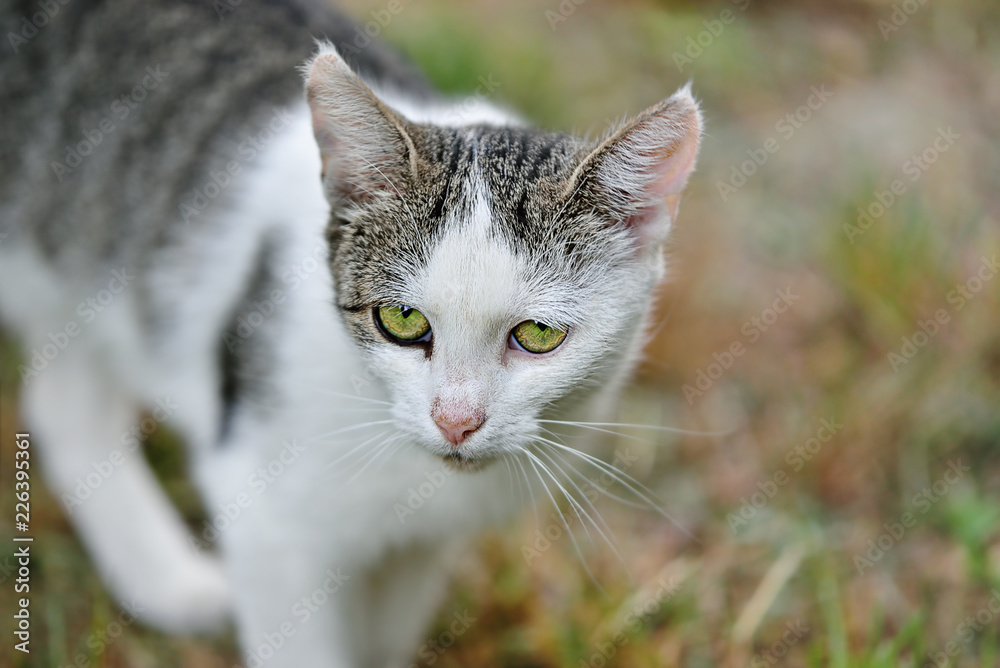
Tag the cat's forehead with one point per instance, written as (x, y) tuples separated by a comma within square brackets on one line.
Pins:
[(523, 172), (474, 272), (488, 203), (510, 157)]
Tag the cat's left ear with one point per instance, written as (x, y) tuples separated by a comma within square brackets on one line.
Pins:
[(365, 146), (638, 172)]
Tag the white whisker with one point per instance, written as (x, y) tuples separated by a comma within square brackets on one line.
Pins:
[(378, 451), (389, 452), (535, 463), (604, 431), (355, 449), (531, 492), (355, 397), (672, 430), (627, 481), (573, 503), (600, 518), (354, 427), (600, 490), (510, 472)]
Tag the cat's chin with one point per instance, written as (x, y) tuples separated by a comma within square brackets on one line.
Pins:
[(456, 461)]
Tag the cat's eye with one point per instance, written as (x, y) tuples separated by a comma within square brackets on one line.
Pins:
[(536, 337), (403, 323)]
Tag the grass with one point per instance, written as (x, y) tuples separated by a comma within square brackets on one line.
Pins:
[(779, 585)]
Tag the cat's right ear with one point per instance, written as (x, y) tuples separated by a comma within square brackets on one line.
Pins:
[(365, 147), (637, 173)]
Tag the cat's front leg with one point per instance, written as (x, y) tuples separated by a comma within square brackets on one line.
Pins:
[(401, 593), (82, 416), (291, 601)]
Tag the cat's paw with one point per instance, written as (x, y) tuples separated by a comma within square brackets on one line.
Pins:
[(191, 599)]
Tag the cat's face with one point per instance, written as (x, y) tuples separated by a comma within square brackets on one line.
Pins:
[(491, 275)]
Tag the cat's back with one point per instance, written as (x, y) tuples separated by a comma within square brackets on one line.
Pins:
[(114, 112)]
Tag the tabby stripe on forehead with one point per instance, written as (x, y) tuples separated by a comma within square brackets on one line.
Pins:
[(521, 213), (438, 210), (519, 162), (543, 157), (453, 158)]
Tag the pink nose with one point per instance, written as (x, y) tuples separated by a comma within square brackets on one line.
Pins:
[(457, 426)]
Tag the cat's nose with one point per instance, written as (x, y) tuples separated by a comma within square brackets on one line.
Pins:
[(458, 423)]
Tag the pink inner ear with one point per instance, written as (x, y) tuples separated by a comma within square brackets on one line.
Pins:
[(645, 223), (352, 141), (673, 171), (358, 154), (324, 139), (676, 168), (670, 166)]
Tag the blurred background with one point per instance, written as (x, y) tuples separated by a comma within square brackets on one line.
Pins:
[(828, 341)]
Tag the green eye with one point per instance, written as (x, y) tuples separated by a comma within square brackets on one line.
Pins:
[(537, 337), (405, 324)]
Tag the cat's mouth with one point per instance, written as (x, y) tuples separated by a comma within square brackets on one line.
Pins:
[(464, 463)]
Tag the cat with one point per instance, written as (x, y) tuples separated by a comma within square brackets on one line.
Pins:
[(336, 298)]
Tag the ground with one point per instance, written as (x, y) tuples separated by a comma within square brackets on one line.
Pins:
[(828, 340)]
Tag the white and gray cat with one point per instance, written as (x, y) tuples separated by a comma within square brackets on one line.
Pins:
[(333, 298)]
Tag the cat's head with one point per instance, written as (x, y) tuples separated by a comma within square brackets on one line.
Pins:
[(492, 274)]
